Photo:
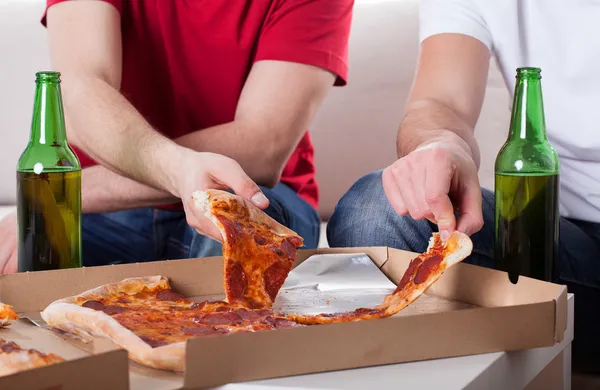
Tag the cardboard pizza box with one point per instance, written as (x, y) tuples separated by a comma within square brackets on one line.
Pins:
[(81, 369), (469, 310)]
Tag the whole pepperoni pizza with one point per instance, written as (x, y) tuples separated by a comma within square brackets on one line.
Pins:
[(150, 320)]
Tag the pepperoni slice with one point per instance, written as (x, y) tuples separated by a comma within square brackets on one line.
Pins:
[(8, 346), (253, 315), (427, 268), (269, 321), (153, 342), (408, 274), (260, 240), (110, 310), (227, 318), (274, 277), (170, 295), (93, 304), (203, 330), (288, 245), (237, 282)]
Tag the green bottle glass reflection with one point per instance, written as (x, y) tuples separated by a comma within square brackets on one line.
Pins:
[(48, 187), (526, 188)]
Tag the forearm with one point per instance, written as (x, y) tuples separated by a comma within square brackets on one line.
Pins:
[(106, 191), (260, 152), (429, 121), (112, 132)]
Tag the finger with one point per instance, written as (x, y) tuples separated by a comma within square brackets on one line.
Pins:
[(419, 182), (233, 176), (407, 191), (208, 229), (471, 216), (437, 186), (392, 192), (201, 223)]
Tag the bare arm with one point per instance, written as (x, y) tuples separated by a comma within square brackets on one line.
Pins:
[(277, 104), (436, 173), (268, 124), (85, 46), (447, 94)]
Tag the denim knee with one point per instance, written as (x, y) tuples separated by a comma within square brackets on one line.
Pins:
[(364, 217)]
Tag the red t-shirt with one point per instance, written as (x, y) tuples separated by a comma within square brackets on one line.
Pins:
[(185, 62)]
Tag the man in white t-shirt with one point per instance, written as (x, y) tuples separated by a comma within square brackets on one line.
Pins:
[(439, 157)]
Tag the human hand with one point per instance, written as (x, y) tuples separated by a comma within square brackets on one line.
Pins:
[(432, 182), (200, 171), (8, 244)]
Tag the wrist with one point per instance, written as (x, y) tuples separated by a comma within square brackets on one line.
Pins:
[(174, 163), (449, 140)]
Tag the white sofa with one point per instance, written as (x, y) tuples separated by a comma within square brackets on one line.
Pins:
[(354, 132)]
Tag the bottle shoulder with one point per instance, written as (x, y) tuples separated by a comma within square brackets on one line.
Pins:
[(522, 156), (48, 157)]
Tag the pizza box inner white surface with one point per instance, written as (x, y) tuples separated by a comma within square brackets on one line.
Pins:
[(469, 310)]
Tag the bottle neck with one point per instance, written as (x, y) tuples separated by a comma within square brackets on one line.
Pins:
[(527, 122), (48, 124)]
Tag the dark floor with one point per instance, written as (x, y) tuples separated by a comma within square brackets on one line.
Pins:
[(585, 382)]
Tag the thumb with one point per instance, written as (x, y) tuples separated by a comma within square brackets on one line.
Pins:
[(233, 176), (471, 216)]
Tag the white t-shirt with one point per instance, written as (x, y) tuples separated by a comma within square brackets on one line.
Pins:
[(562, 37)]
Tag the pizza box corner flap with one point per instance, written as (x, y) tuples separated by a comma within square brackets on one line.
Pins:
[(90, 374), (561, 307)]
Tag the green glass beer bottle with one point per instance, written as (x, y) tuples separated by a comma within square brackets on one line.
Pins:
[(48, 187), (526, 188)]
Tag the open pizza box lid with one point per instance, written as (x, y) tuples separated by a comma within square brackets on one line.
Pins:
[(469, 310)]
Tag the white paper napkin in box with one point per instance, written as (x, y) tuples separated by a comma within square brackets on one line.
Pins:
[(332, 283)]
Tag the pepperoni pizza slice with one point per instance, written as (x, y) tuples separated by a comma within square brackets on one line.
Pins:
[(258, 252), (13, 358), (7, 315), (421, 273)]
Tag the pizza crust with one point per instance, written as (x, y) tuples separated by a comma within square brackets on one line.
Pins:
[(66, 314), (204, 201)]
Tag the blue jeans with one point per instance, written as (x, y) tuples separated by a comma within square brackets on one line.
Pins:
[(149, 234), (364, 217)]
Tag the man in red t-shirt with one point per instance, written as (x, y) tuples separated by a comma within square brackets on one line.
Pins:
[(163, 98)]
